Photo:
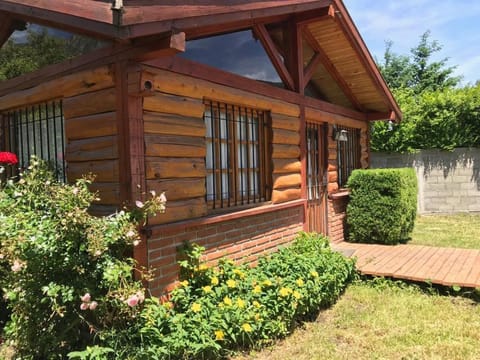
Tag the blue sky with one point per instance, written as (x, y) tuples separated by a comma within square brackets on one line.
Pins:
[(455, 24)]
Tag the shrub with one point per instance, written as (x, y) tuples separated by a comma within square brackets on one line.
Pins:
[(383, 205), (216, 310), (65, 273)]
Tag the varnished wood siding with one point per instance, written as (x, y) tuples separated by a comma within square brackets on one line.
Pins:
[(92, 141), (89, 106), (176, 148)]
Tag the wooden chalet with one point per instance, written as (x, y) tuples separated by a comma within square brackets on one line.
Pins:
[(249, 114)]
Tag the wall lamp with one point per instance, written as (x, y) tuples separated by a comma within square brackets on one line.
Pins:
[(340, 134)]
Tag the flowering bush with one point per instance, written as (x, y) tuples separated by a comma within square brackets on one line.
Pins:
[(217, 310), (65, 276), (8, 158)]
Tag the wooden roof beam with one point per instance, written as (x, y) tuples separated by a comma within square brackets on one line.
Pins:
[(352, 34), (382, 116), (267, 42), (331, 68), (312, 16), (92, 18), (154, 48), (311, 67)]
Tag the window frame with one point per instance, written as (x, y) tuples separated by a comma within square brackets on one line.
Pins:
[(348, 154), (239, 155)]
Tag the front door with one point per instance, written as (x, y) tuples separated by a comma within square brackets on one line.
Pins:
[(316, 177)]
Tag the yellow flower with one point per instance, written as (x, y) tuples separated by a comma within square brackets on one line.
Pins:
[(196, 307), (239, 273), (184, 283), (227, 301), (267, 283), (257, 289), (214, 281), (207, 289), (202, 267), (257, 317), (219, 335), (284, 291), (314, 273), (256, 303), (297, 295), (300, 282), (231, 283), (247, 328), (240, 303)]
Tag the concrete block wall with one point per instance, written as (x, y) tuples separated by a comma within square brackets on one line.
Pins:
[(448, 182)]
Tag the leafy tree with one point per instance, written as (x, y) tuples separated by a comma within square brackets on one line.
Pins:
[(436, 114), (417, 71)]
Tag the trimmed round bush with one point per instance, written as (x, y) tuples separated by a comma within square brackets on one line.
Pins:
[(383, 205)]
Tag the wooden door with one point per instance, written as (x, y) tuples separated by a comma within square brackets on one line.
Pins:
[(316, 178)]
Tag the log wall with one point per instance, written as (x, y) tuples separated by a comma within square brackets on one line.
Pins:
[(92, 141), (175, 141)]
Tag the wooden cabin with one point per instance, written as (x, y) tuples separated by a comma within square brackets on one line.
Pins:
[(249, 114)]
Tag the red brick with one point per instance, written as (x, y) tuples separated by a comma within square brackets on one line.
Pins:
[(162, 262)]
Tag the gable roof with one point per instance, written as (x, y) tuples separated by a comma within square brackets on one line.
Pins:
[(346, 75)]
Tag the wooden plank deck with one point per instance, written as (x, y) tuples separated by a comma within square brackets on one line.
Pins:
[(442, 266)]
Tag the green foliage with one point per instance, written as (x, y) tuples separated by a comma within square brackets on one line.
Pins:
[(382, 207), (436, 114), (64, 272), (41, 48), (444, 120), (217, 310)]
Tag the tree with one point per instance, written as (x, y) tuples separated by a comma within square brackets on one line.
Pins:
[(417, 71), (436, 114)]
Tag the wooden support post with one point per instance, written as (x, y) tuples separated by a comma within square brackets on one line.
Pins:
[(331, 69), (294, 55), (303, 162), (267, 42), (131, 150)]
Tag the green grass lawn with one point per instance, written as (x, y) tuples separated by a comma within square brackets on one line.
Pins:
[(459, 230), (386, 321)]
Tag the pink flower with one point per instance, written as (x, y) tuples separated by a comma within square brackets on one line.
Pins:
[(131, 234), (86, 298), (17, 266), (132, 300), (93, 305), (139, 204), (84, 306), (136, 243)]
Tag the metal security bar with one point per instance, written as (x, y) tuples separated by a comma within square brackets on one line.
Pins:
[(348, 154), (37, 130), (237, 159)]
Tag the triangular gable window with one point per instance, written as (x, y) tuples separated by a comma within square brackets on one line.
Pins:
[(237, 52)]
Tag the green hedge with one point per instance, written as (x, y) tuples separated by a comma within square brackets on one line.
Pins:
[(383, 205)]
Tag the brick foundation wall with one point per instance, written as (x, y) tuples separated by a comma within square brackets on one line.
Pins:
[(243, 239), (336, 218)]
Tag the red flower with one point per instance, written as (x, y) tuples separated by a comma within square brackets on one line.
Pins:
[(8, 158)]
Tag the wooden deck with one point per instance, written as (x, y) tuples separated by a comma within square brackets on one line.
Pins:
[(443, 266)]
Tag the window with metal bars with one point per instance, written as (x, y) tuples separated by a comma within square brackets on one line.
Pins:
[(238, 155), (348, 156), (36, 130)]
